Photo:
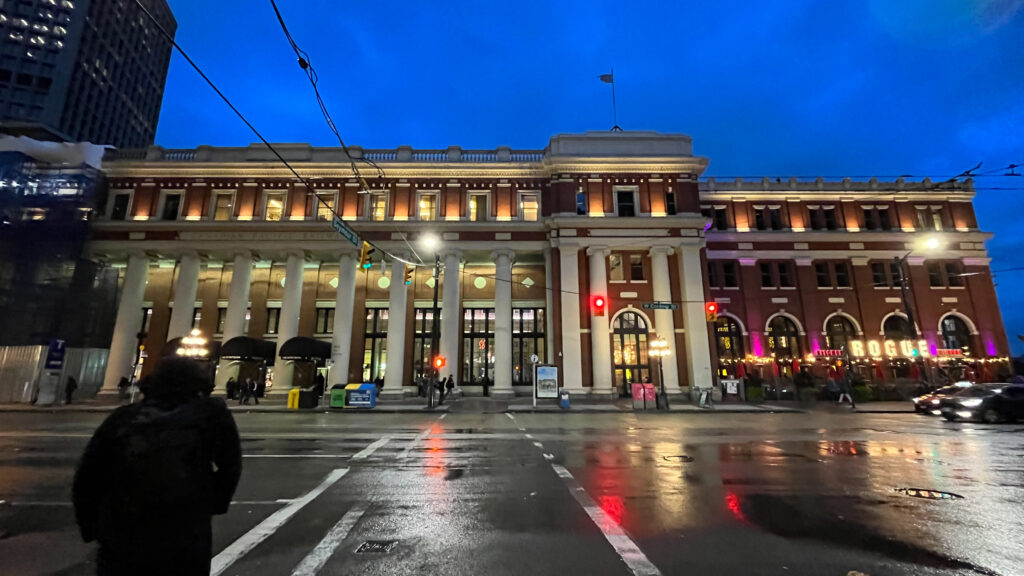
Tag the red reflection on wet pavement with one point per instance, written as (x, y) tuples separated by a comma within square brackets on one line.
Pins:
[(613, 506), (732, 502)]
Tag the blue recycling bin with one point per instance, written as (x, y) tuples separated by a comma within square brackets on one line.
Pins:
[(361, 395), (563, 400)]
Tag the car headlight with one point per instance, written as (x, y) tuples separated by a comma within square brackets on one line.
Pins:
[(972, 403), (935, 401), (915, 400)]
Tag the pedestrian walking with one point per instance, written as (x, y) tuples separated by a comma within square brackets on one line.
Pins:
[(69, 389), (846, 389), (243, 391), (231, 388), (256, 390), (176, 459)]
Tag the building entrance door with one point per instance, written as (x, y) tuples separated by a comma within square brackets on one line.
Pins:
[(629, 339), (478, 346)]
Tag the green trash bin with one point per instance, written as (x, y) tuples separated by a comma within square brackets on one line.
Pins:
[(338, 396)]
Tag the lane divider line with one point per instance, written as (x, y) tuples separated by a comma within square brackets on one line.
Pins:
[(319, 556), (366, 452), (270, 525), (511, 417), (624, 546), (294, 455)]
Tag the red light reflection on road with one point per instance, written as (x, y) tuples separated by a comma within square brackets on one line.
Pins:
[(435, 453), (613, 507), (732, 502)]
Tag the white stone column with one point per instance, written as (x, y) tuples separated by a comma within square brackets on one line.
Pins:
[(344, 304), (503, 322), (572, 349), (600, 339), (185, 288), (128, 323), (451, 321), (238, 299), (288, 321), (664, 325), (549, 331), (394, 371), (698, 346)]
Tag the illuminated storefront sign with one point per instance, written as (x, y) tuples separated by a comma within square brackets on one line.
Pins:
[(880, 348)]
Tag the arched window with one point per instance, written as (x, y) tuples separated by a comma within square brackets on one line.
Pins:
[(955, 333), (729, 338), (783, 338), (896, 328), (839, 332), (629, 343)]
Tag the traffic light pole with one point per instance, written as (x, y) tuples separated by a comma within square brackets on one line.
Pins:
[(434, 327)]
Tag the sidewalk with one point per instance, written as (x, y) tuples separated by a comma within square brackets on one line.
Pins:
[(832, 407), (626, 406)]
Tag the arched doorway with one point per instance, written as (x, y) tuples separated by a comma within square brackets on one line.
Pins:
[(629, 339), (839, 332), (955, 334), (784, 343), (729, 338)]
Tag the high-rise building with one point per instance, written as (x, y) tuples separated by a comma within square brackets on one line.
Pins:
[(90, 70)]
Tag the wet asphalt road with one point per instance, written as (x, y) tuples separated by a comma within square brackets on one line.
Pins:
[(595, 494)]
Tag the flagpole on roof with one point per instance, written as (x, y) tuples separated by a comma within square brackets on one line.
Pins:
[(610, 79)]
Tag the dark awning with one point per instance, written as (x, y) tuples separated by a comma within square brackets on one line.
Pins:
[(303, 348), (213, 349), (246, 348)]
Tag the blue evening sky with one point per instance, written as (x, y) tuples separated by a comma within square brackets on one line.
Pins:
[(791, 87)]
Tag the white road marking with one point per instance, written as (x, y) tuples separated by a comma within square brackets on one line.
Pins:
[(538, 445), (265, 529), (412, 444), (294, 455), (316, 559), (366, 452), (530, 436), (624, 546), (549, 457), (510, 417), (522, 429), (442, 416)]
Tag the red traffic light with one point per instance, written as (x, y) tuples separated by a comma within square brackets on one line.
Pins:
[(711, 307), (439, 362), (598, 303)]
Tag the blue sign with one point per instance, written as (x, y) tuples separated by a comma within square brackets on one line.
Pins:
[(361, 398), (55, 355)]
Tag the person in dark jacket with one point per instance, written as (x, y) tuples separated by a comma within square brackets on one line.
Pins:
[(155, 473), (69, 389)]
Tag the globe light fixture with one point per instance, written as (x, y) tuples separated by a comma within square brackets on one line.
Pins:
[(193, 346)]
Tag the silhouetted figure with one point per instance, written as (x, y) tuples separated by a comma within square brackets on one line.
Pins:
[(122, 388), (255, 391), (69, 389), (231, 388), (155, 473)]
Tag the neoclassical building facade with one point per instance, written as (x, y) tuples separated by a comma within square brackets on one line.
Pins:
[(227, 241)]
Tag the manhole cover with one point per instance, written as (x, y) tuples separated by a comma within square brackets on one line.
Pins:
[(678, 458), (376, 546), (929, 494)]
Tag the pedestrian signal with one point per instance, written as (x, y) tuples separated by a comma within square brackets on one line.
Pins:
[(439, 362), (598, 303), (711, 311), (408, 275)]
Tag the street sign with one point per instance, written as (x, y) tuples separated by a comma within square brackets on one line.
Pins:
[(533, 358), (659, 306), (345, 231), (55, 355)]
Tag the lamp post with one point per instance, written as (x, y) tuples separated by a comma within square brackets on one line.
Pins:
[(431, 242), (659, 349), (930, 244)]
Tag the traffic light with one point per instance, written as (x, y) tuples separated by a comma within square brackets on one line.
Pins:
[(439, 362), (711, 311), (364, 256), (598, 303), (408, 275)]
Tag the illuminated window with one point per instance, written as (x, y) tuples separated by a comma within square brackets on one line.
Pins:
[(529, 207), (274, 209), (729, 338), (839, 332), (325, 320), (197, 316), (478, 207), (378, 207), (222, 206), (33, 214), (581, 202), (615, 271), (428, 206), (324, 206), (222, 317), (955, 334), (273, 320)]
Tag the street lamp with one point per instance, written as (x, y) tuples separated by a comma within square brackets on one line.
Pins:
[(430, 242), (929, 244), (193, 346), (659, 349)]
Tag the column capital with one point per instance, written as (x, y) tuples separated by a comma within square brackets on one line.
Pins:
[(661, 250), (507, 253), (692, 243), (182, 254), (242, 254), (601, 251)]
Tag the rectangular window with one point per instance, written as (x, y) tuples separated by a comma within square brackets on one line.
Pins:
[(830, 217), (248, 316), (197, 315), (581, 203), (884, 222), (529, 207), (842, 275), (935, 275), (375, 344), (478, 211), (527, 339), (775, 216), (759, 220), (273, 210), (670, 203), (615, 271), (878, 277), (324, 206), (325, 320), (478, 346), (636, 267), (422, 352), (821, 271), (625, 202), (713, 274), (729, 274), (172, 206), (147, 315), (721, 220), (273, 319), (119, 208), (427, 207), (222, 317), (766, 275), (785, 275), (924, 221), (954, 274), (378, 207), (222, 206), (937, 220), (870, 219)]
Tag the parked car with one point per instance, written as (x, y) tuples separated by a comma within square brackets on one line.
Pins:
[(929, 403), (989, 403)]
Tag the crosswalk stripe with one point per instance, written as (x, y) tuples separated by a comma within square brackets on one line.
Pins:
[(316, 559), (366, 452)]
